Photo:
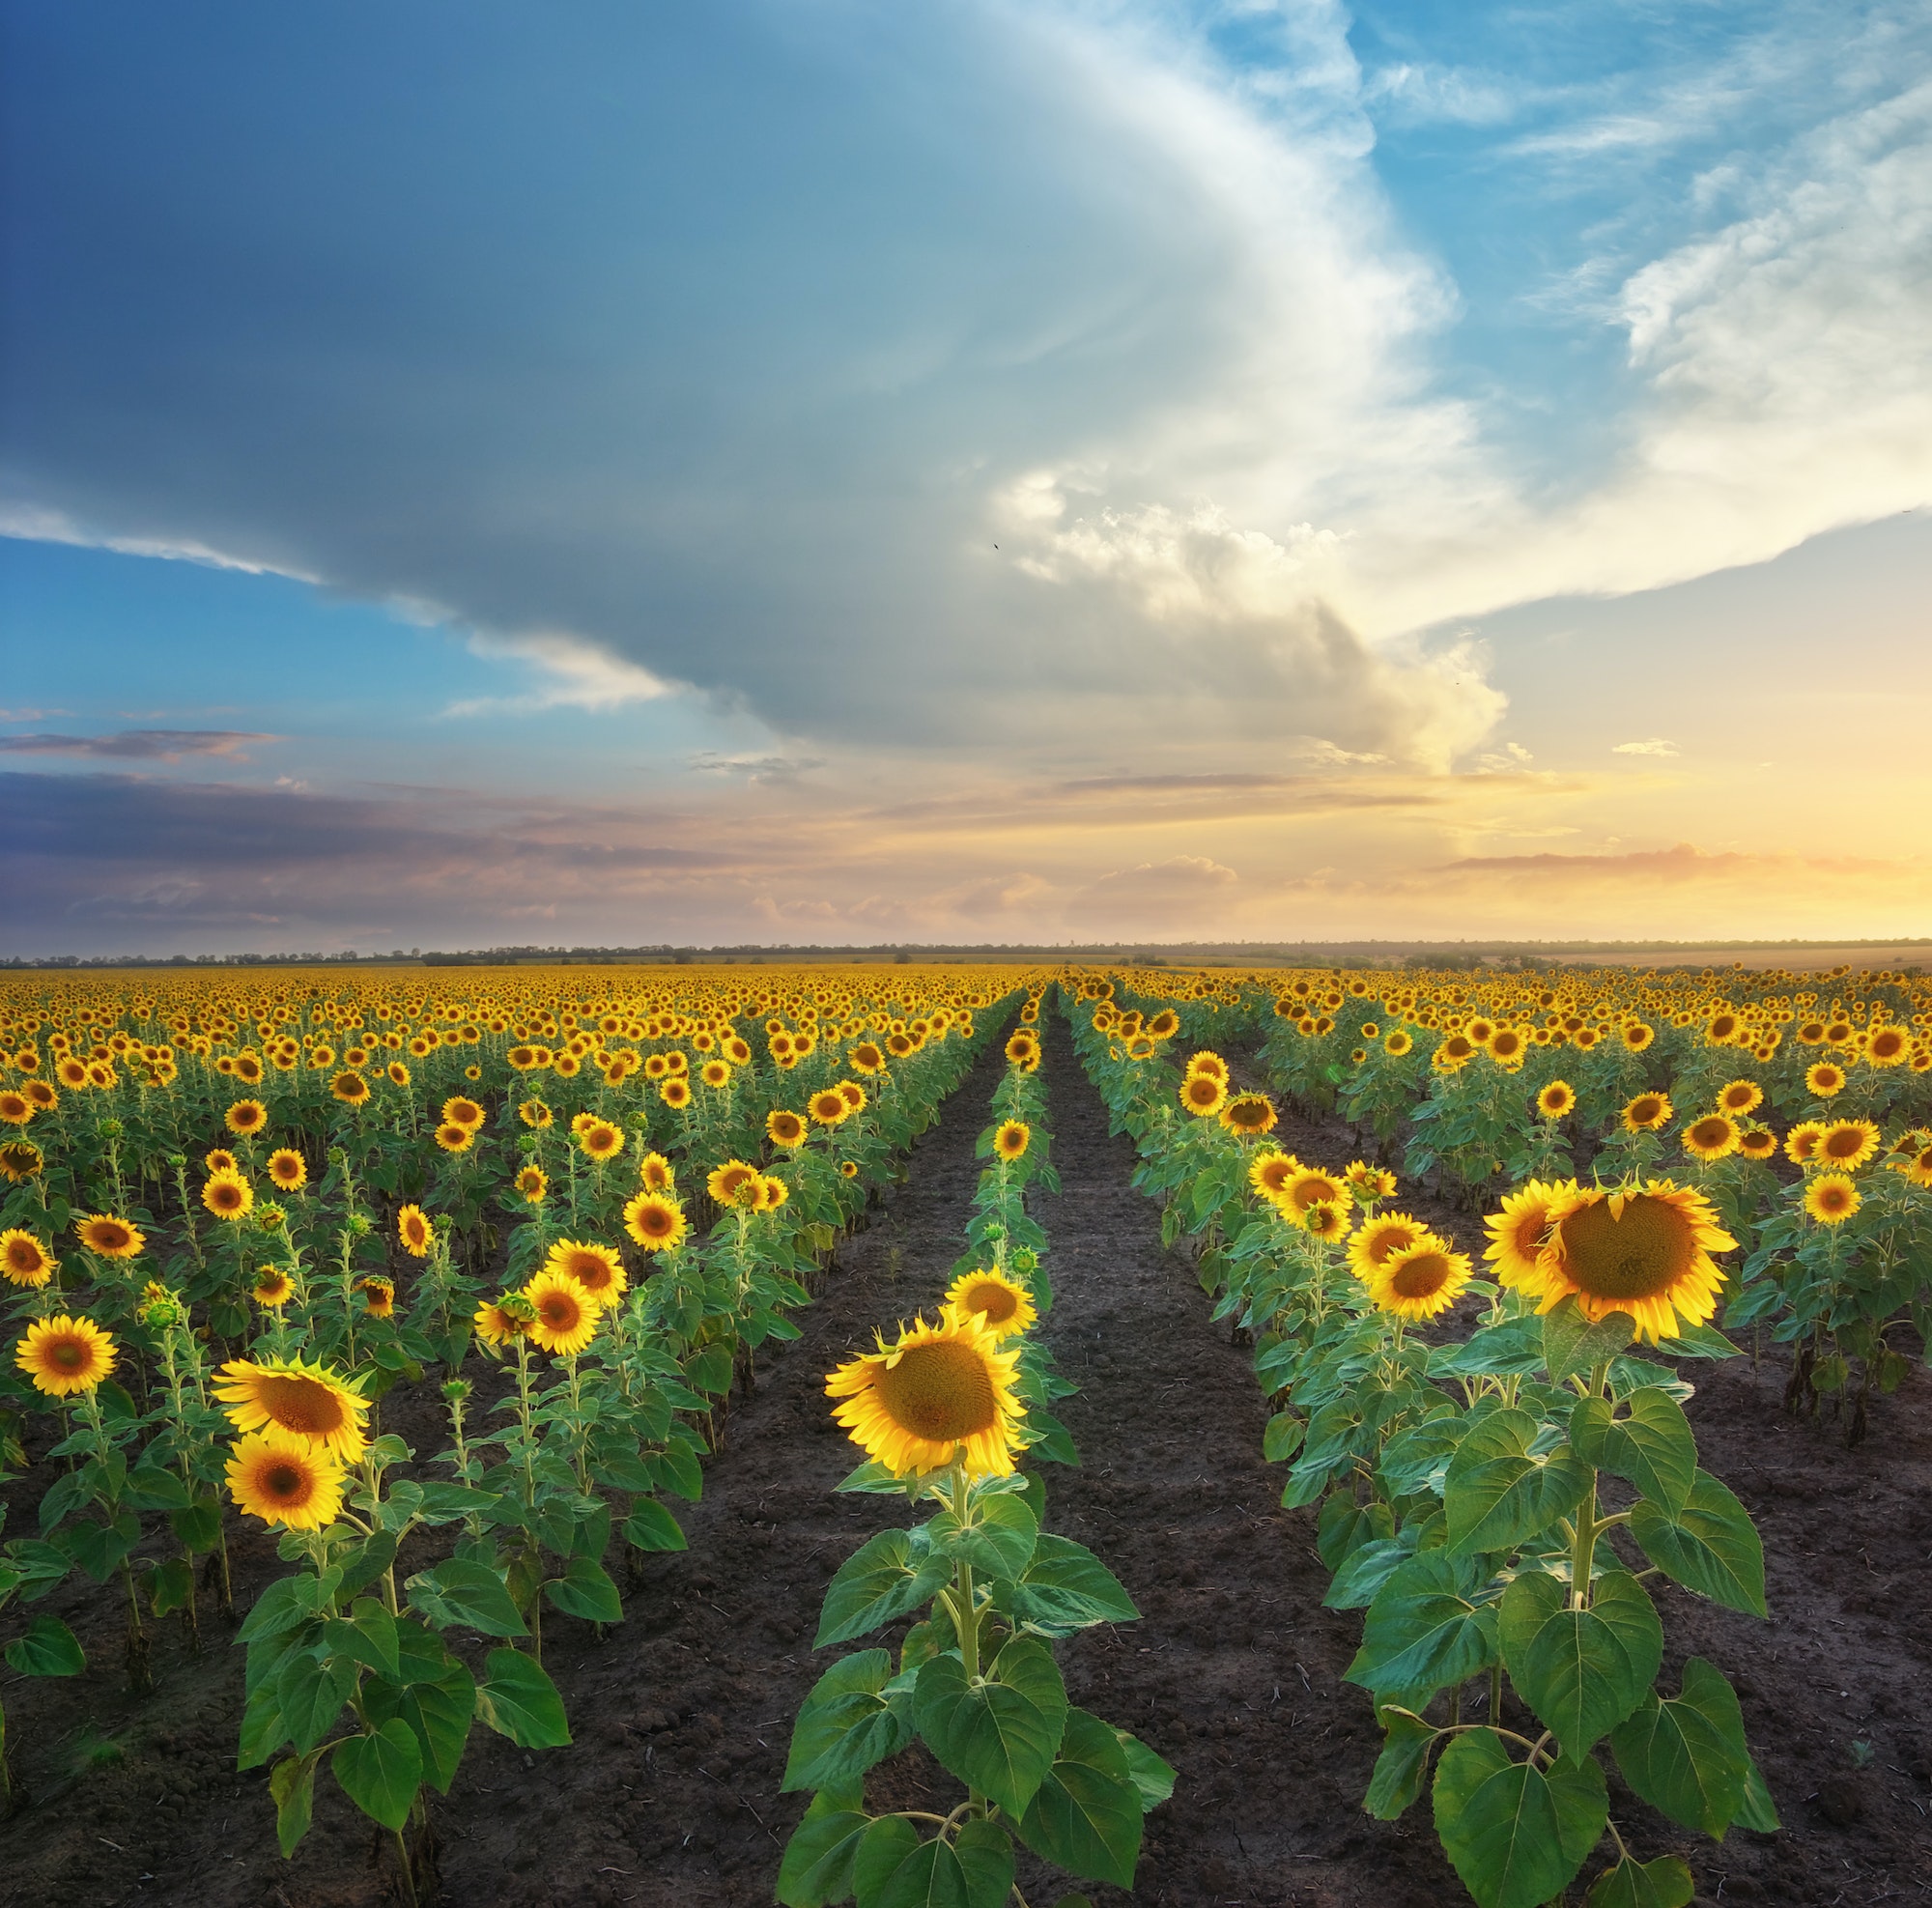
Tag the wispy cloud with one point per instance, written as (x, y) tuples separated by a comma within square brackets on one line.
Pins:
[(165, 745), (1655, 745)]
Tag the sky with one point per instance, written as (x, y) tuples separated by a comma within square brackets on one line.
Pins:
[(839, 470)]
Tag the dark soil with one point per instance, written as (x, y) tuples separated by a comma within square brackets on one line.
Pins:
[(683, 1712)]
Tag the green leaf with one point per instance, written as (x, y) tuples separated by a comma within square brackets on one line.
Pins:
[(998, 1543), (462, 1593), (1665, 1883), (292, 1785), (1512, 1348), (369, 1636), (1153, 1777), (817, 1865), (586, 1590), (1283, 1437), (895, 1870), (1066, 1589), (444, 1503), (368, 1561), (170, 1585), (1361, 1577), (651, 1527), (518, 1701), (311, 1691), (1514, 1834), (149, 1488), (1345, 1526), (997, 1735), (710, 1369), (1425, 1631), (1086, 1814), (199, 1527), (381, 1771), (1572, 1345), (1652, 1448), (1685, 1755), (1581, 1670), (438, 1715), (48, 1648), (1757, 1811), (1401, 1769), (883, 1578), (1496, 1495), (1709, 1545), (847, 1724), (263, 1731)]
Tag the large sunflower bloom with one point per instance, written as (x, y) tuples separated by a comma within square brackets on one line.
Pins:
[(1800, 1143), (300, 1399), (1712, 1137), (783, 1127), (1847, 1144), (288, 1169), (1309, 1186), (1269, 1172), (597, 1268), (1646, 1113), (1381, 1236), (1646, 1252), (1202, 1094), (1249, 1114), (245, 1116), (728, 1183), (109, 1237), (414, 1231), (285, 1479), (65, 1355), (1420, 1280), (655, 1222), (566, 1314), (1004, 1307), (24, 1260), (1830, 1199), (228, 1196), (939, 1389), (1012, 1139), (1519, 1231)]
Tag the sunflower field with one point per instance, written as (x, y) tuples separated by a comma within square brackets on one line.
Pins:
[(365, 1338)]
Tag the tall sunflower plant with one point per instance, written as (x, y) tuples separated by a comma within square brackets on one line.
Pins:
[(975, 1595)]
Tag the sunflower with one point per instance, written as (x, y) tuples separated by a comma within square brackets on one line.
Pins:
[(1759, 1143), (1520, 1229), (1209, 1063), (1419, 1281), (288, 1169), (829, 1107), (1202, 1094), (1507, 1048), (1647, 1112), (655, 1173), (274, 1287), (1163, 1026), (1310, 1185), (1398, 1044), (15, 1108), (350, 1088), (1824, 1078), (535, 1114), (24, 1260), (1739, 1097), (1831, 1198), (460, 1110), (532, 1184), (1646, 1252), (1011, 1139), (1269, 1172), (655, 1221), (1322, 1218), (729, 1181), (1379, 1237), (856, 1098), (936, 1391), (1712, 1137), (867, 1058), (414, 1231), (502, 1321), (1916, 1167), (1023, 1049), (398, 1072), (221, 1161), (245, 1116), (564, 1317), (771, 1192), (1888, 1046), (597, 1268), (228, 1196), (601, 1141), (1369, 1182), (453, 1138), (1800, 1143), (285, 1479), (109, 1237), (65, 1355), (1556, 1100), (676, 1093), (379, 1297), (297, 1398), (1005, 1308), (1847, 1144), (715, 1073), (1250, 1115), (21, 1160)]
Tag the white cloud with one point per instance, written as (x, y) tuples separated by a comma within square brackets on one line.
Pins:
[(570, 674), (1656, 745)]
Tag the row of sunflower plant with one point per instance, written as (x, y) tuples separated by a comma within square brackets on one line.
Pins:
[(1474, 1492), (952, 1414), (608, 1390), (1801, 1111)]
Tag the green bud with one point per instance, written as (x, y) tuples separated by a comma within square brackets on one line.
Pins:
[(360, 1225), (111, 1129), (456, 1389)]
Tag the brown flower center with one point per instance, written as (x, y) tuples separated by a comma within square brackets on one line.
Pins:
[(1637, 1256), (300, 1404), (940, 1391)]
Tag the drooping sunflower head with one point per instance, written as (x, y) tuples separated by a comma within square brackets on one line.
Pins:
[(66, 1356), (245, 1116), (288, 1169), (936, 1392), (1419, 1281), (1323, 1218), (414, 1231), (1202, 1094), (1847, 1144), (1647, 1112), (350, 1088), (15, 1108), (564, 1315), (1003, 1306), (285, 1479), (1645, 1252), (301, 1399), (1831, 1198), (535, 1114), (274, 1287), (728, 1181), (501, 1321), (1556, 1100), (228, 1196), (655, 1220), (379, 1297), (1739, 1097), (1917, 1166), (109, 1237), (1269, 1172), (23, 1260), (21, 1160), (531, 1184), (597, 1268), (1011, 1139), (1712, 1137), (1250, 1115), (1825, 1079), (1800, 1143)]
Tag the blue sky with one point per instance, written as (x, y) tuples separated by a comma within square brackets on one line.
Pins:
[(760, 471)]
